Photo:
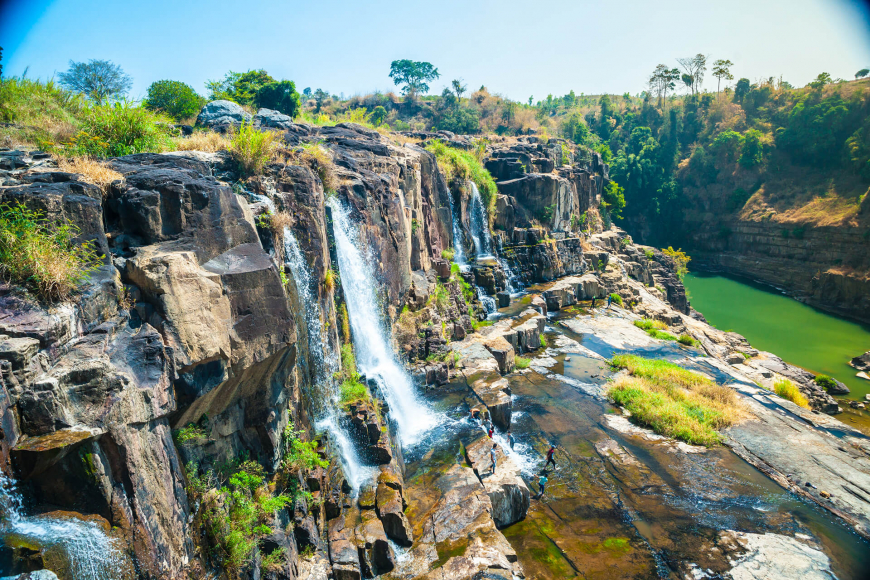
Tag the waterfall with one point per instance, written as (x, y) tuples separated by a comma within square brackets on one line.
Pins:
[(479, 225), (91, 554), (323, 360), (375, 357), (458, 250)]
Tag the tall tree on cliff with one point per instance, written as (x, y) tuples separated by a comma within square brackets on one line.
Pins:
[(694, 66), (413, 76), (662, 80), (722, 70), (98, 80)]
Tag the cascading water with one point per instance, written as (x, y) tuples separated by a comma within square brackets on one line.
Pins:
[(375, 357), (479, 225), (89, 552), (323, 360)]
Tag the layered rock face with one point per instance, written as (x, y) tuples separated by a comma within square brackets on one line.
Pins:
[(828, 267)]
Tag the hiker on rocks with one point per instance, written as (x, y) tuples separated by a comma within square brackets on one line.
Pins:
[(593, 302), (550, 459), (491, 429), (542, 482), (510, 438), (609, 300), (493, 457)]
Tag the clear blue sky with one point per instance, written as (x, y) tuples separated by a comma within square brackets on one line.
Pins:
[(514, 48)]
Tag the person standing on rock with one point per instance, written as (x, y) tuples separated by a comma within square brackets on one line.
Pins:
[(493, 457), (550, 459), (542, 482), (510, 438), (609, 300), (490, 432), (593, 302)]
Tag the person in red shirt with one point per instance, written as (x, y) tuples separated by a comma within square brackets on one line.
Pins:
[(490, 432), (550, 459)]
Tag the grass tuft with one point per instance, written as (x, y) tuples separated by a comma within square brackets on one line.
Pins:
[(43, 255), (647, 324), (788, 390), (253, 149), (208, 141), (466, 165), (688, 340), (522, 362), (673, 401)]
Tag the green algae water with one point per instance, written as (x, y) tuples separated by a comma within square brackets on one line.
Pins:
[(799, 334)]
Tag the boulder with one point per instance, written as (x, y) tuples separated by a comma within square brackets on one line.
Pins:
[(375, 552), (589, 288), (862, 363), (222, 113), (507, 491), (504, 299), (273, 119), (503, 352), (494, 392), (391, 512), (343, 547)]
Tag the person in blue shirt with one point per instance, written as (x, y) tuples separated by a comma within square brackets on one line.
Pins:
[(542, 482)]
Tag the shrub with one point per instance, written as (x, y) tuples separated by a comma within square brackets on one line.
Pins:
[(788, 390), (280, 96), (680, 257), (190, 435), (319, 160), (174, 98), (522, 362), (673, 401), (120, 129), (351, 390), (649, 254), (300, 454), (616, 298), (43, 255), (329, 280), (448, 254), (825, 382), (543, 340), (239, 87), (688, 340), (253, 149)]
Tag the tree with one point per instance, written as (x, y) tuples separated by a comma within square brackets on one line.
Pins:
[(858, 75), (741, 90), (662, 80), (320, 97), (379, 115), (240, 88), (821, 80), (531, 97), (694, 66), (614, 199), (688, 80), (99, 80), (458, 88), (722, 70), (751, 151), (174, 98), (306, 92), (413, 76), (281, 97)]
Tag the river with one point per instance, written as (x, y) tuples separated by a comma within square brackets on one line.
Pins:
[(771, 321)]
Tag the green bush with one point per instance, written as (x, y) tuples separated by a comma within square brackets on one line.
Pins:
[(300, 454), (280, 96), (616, 298), (661, 335), (190, 435), (825, 382), (174, 98), (788, 390), (522, 362), (448, 254), (543, 340), (43, 255), (253, 149), (121, 129), (688, 340), (240, 88), (647, 324)]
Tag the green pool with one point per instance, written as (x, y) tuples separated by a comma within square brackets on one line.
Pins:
[(800, 334)]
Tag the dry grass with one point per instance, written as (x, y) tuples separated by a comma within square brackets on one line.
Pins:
[(318, 159), (208, 141), (673, 401), (253, 149), (788, 390), (92, 171)]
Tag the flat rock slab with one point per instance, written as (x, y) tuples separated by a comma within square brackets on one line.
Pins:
[(775, 556)]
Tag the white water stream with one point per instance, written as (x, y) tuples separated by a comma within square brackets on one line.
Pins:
[(91, 554), (324, 362), (375, 356)]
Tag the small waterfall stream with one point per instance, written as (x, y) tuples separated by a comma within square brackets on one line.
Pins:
[(484, 248), (88, 551), (375, 356), (323, 360)]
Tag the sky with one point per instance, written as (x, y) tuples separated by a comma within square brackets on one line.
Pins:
[(516, 49)]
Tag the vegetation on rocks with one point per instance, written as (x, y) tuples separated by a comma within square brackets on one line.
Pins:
[(119, 129), (458, 164), (253, 149), (174, 98), (788, 390), (673, 401), (41, 254), (351, 389)]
